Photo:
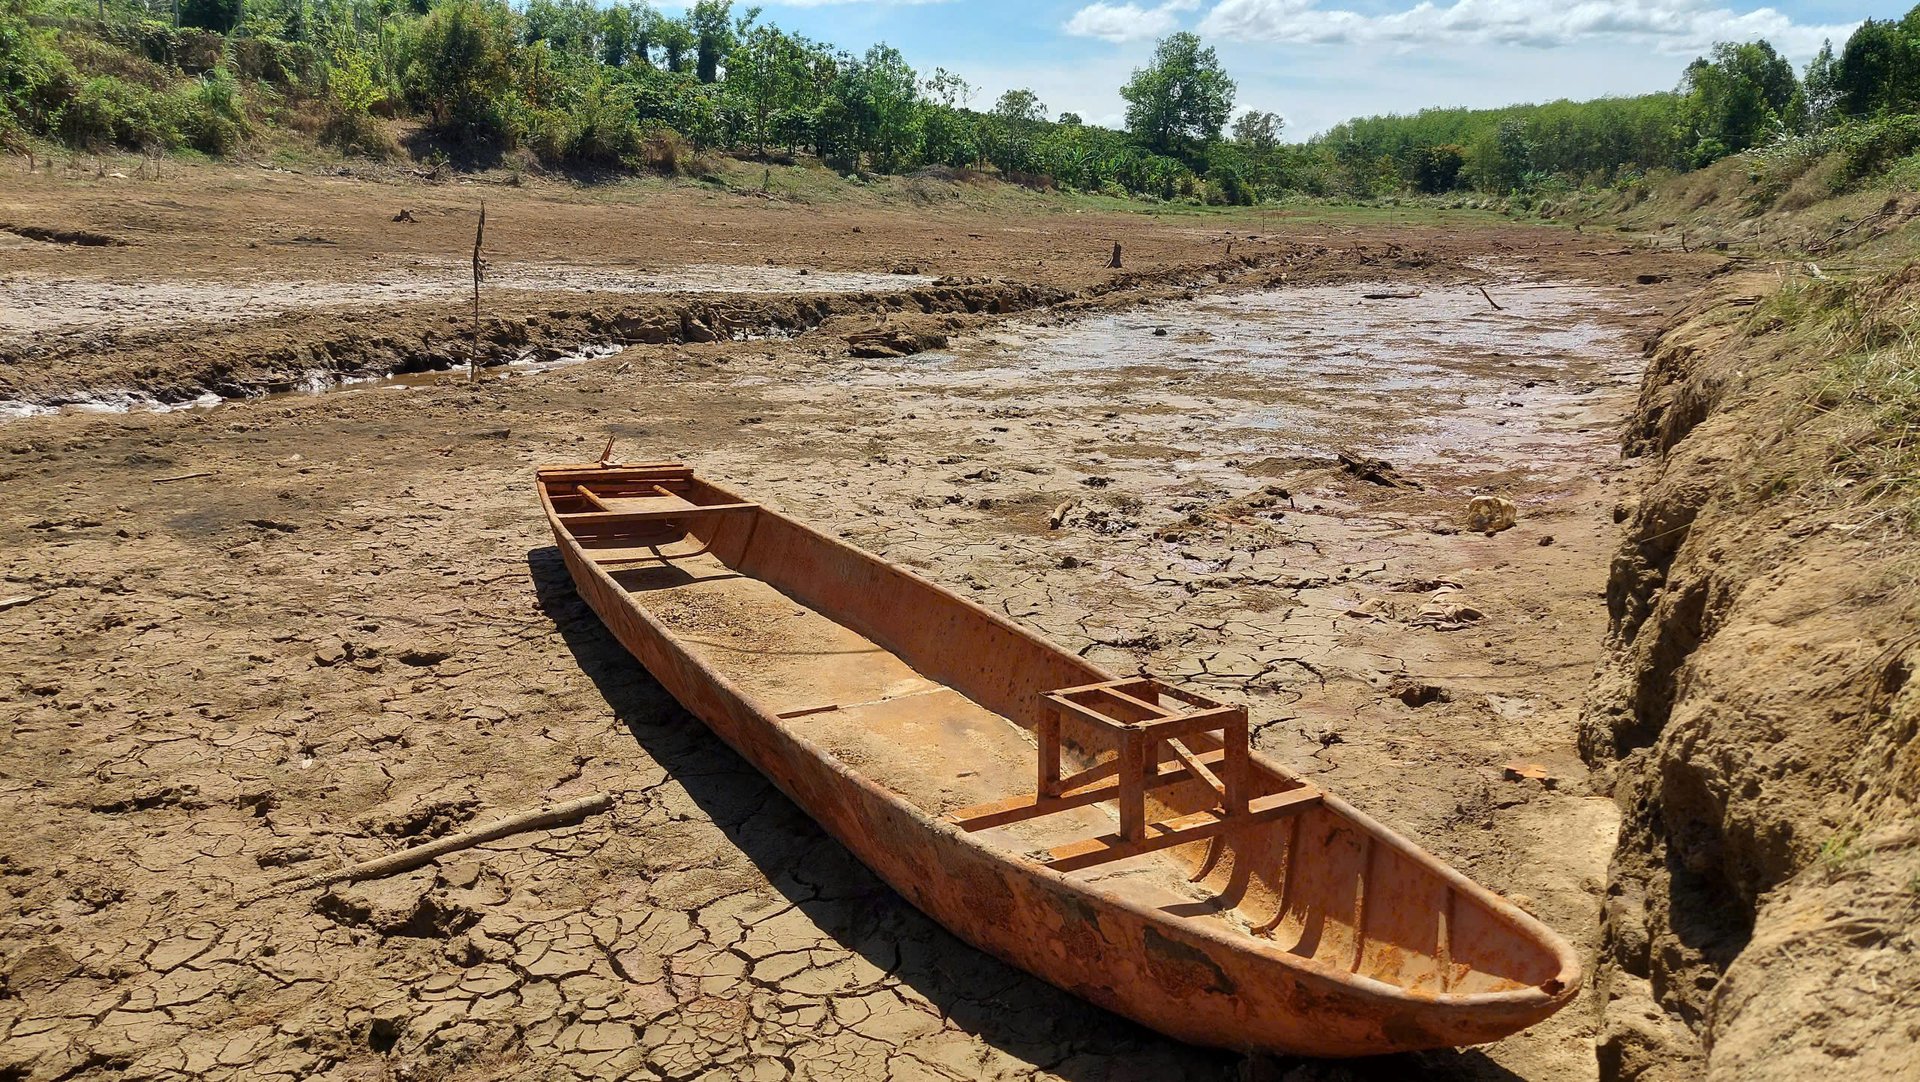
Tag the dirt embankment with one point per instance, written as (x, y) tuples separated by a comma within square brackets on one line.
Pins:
[(1757, 715)]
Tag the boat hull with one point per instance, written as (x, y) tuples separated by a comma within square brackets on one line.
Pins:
[(1185, 980)]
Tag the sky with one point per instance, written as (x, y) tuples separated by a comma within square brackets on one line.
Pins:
[(1318, 62)]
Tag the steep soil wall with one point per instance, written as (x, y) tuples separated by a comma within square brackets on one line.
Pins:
[(1758, 719)]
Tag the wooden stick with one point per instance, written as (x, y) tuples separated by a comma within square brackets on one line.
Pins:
[(1490, 300), (479, 270), (407, 860), (182, 477)]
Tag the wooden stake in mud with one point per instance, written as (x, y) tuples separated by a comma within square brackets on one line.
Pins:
[(1114, 263), (479, 272)]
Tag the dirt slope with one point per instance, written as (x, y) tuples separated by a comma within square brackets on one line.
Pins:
[(1758, 719)]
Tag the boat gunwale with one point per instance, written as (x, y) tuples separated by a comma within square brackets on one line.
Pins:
[(1570, 971)]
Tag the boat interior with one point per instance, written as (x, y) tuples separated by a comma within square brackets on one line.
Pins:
[(1137, 789)]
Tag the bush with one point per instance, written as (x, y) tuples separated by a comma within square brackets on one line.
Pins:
[(211, 116), (219, 16), (664, 151), (36, 80), (1868, 149)]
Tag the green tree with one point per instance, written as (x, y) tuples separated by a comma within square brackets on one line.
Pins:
[(219, 16), (769, 72), (713, 35), (1820, 89), (1258, 131), (1020, 107), (1437, 168), (948, 90), (676, 42), (1181, 98), (1737, 98), (1879, 69), (1070, 120), (461, 66), (876, 107)]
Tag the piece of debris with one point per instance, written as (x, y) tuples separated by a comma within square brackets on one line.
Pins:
[(182, 477), (1418, 693), (893, 342), (405, 215), (1525, 771), (1060, 513), (1490, 300), (1377, 471), (1388, 296), (1114, 263), (15, 602), (1373, 608), (408, 859), (1447, 610), (1490, 514)]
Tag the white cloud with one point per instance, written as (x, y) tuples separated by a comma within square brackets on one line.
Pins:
[(1669, 26), (1127, 22)]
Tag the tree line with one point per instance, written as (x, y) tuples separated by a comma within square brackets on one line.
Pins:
[(624, 86)]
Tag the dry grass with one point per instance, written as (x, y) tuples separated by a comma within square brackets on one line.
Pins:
[(1858, 340)]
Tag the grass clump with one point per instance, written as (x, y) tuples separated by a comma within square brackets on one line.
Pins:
[(1859, 340)]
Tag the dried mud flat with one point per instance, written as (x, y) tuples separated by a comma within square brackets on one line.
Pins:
[(350, 633)]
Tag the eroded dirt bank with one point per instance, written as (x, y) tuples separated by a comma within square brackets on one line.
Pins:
[(275, 636), (1757, 719)]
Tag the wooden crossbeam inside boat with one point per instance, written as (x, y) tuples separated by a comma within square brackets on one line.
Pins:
[(1188, 828), (1032, 806), (574, 475), (673, 514)]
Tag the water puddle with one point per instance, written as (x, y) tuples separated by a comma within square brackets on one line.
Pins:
[(1418, 376)]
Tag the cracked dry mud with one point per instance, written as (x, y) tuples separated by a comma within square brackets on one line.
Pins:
[(353, 635)]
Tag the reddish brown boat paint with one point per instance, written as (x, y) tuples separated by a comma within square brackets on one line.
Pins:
[(1169, 876)]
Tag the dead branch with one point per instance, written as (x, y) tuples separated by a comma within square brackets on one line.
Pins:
[(1490, 300), (408, 859), (182, 477)]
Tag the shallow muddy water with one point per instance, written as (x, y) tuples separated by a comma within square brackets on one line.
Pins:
[(1299, 371)]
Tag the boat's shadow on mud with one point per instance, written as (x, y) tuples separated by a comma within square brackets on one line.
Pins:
[(1020, 1015)]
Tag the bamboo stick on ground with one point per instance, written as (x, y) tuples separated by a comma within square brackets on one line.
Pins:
[(407, 860)]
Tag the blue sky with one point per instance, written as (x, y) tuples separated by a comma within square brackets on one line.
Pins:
[(1317, 62)]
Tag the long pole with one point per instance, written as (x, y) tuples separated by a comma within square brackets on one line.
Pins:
[(479, 271)]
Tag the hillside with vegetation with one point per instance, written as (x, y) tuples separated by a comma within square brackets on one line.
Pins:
[(596, 92)]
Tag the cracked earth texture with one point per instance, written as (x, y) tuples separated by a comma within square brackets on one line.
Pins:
[(353, 635)]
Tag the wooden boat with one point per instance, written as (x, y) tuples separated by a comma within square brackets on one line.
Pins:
[(1112, 836)]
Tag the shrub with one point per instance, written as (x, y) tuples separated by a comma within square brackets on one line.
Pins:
[(665, 152), (36, 80), (1868, 149), (110, 112), (211, 116)]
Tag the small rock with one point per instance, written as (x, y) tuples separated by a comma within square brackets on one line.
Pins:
[(1490, 514), (1418, 693)]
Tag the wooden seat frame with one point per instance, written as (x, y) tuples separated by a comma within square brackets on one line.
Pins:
[(1141, 719)]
